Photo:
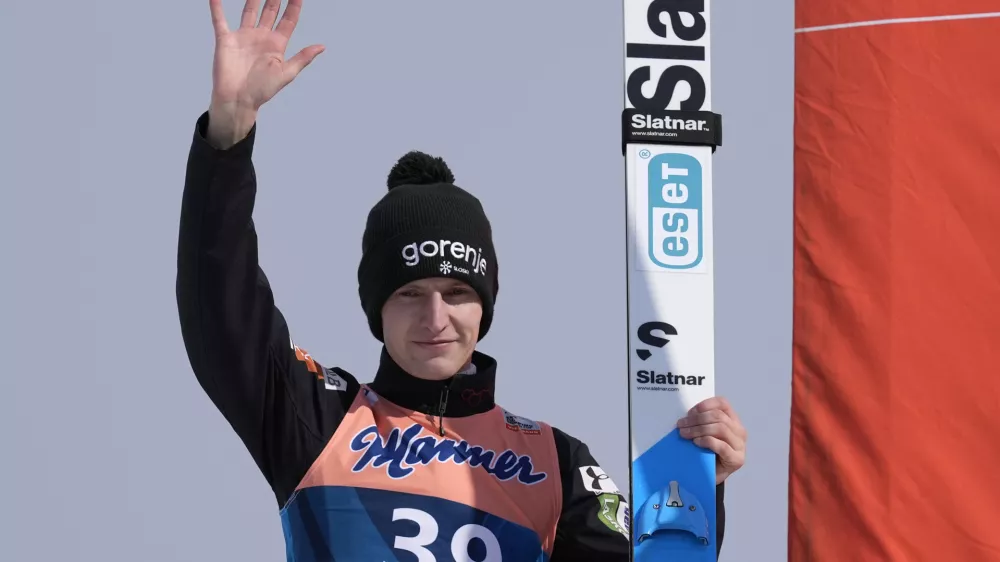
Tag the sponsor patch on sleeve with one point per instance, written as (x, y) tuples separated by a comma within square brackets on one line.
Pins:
[(597, 481), (614, 513), (333, 381), (520, 424)]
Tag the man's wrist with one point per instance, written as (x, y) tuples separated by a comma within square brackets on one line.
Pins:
[(228, 124)]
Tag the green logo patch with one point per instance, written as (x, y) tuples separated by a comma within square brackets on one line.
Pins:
[(613, 513)]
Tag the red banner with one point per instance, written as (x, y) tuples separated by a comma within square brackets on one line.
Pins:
[(895, 427)]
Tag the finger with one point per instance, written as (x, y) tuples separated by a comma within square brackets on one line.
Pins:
[(269, 14), (726, 453), (701, 418), (290, 18), (715, 403), (250, 9), (301, 60), (716, 430), (712, 403), (727, 407), (714, 416), (719, 430), (218, 17)]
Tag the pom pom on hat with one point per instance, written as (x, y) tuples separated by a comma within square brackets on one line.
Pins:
[(418, 168)]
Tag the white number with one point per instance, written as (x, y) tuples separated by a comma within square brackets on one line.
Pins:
[(465, 534), (428, 531)]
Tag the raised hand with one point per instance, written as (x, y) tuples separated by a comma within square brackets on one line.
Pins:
[(250, 65)]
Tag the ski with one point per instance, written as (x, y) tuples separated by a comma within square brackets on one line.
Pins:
[(669, 135)]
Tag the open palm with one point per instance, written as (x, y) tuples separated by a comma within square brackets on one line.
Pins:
[(250, 65)]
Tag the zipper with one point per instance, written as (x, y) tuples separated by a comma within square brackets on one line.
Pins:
[(442, 406)]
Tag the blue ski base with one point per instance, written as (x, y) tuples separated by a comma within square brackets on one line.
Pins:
[(673, 502)]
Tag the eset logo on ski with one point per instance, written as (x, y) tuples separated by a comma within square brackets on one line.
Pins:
[(675, 236)]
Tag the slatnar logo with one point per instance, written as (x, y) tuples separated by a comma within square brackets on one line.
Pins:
[(668, 124), (652, 379), (414, 252), (684, 49), (647, 335)]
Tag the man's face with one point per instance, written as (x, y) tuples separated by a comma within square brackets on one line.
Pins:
[(431, 326)]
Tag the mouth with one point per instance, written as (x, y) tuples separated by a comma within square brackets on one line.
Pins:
[(434, 344)]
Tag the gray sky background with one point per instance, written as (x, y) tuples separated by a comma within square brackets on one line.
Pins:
[(111, 450)]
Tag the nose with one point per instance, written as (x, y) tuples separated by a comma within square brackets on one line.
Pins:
[(435, 313)]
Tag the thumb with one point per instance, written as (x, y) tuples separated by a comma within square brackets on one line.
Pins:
[(296, 64)]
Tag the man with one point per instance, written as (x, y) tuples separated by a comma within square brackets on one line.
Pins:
[(422, 460)]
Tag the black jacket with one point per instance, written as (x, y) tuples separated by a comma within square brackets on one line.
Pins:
[(274, 394)]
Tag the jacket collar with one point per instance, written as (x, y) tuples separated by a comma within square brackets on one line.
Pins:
[(458, 396)]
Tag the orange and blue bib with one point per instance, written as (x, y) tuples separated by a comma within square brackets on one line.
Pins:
[(388, 481)]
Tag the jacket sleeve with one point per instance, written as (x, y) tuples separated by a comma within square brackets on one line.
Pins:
[(280, 401), (595, 513)]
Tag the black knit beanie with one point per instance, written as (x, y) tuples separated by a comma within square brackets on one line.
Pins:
[(425, 226)]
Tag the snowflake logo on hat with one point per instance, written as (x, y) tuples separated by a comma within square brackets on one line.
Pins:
[(445, 267)]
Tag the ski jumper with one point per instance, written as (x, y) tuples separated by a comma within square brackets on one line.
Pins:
[(401, 469)]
